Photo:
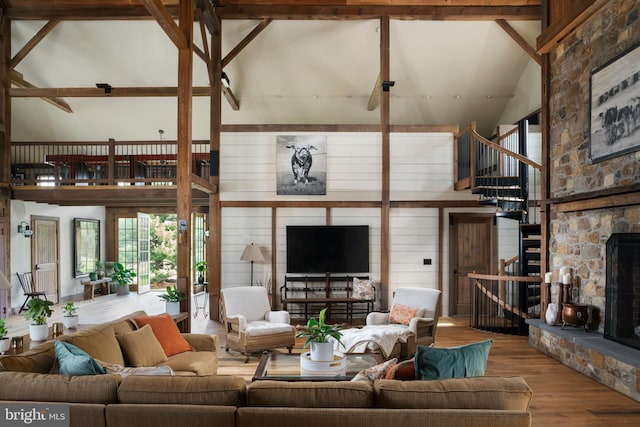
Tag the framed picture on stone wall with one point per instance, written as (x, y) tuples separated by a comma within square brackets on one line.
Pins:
[(615, 106)]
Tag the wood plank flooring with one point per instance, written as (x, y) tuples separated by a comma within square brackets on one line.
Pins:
[(561, 396)]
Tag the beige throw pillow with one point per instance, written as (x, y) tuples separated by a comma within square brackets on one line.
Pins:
[(141, 347), (101, 345)]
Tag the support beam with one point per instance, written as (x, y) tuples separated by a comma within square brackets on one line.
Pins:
[(374, 98), (28, 47), (209, 17), (168, 25), (519, 40), (198, 183), (385, 211), (94, 92), (18, 80), (231, 98), (245, 41)]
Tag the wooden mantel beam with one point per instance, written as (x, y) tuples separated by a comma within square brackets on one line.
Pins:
[(168, 25)]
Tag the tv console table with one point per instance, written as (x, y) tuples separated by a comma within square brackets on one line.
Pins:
[(307, 295)]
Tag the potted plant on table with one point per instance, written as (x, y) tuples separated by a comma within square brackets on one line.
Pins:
[(5, 342), (172, 299), (123, 277), (70, 318), (39, 311), (318, 334), (201, 268)]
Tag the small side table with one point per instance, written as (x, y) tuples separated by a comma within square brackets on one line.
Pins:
[(89, 289)]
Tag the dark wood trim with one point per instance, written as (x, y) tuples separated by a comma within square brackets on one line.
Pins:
[(93, 92), (520, 41), (18, 80), (166, 21), (544, 176), (33, 42), (245, 41), (558, 31), (385, 211), (605, 202), (298, 204), (436, 204), (274, 260), (584, 201), (5, 104)]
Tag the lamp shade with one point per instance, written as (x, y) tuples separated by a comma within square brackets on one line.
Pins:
[(4, 283), (252, 253)]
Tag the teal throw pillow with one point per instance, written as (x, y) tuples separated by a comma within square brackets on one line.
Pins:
[(455, 362), (75, 361)]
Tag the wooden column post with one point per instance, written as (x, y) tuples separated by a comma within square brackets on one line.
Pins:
[(384, 121), (185, 80)]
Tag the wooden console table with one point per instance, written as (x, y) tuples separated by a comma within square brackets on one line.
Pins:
[(89, 287)]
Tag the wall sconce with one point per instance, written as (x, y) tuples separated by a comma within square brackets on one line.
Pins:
[(104, 86), (387, 84), (225, 80), (25, 229)]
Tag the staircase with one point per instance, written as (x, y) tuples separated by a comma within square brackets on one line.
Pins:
[(502, 175)]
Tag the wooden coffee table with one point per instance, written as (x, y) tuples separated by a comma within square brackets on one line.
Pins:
[(286, 367)]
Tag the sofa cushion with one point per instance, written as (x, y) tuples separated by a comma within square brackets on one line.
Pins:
[(211, 390), (199, 363), (124, 371), (307, 394), (100, 343), (501, 393), (59, 388), (166, 331), (141, 348), (39, 360), (455, 362), (259, 328), (74, 361)]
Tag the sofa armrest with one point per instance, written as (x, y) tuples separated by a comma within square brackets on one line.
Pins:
[(377, 318), (278, 317), (202, 342), (420, 322)]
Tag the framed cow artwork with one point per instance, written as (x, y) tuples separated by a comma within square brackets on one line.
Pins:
[(301, 165), (615, 106)]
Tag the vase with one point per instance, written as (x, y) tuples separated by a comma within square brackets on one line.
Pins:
[(5, 345), (70, 321), (551, 314), (123, 290), (172, 308), (39, 332), (321, 351)]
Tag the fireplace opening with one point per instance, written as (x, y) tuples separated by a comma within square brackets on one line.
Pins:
[(622, 292)]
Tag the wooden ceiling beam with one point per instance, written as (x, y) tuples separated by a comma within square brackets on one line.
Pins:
[(167, 23), (18, 80), (374, 98), (245, 41), (201, 184), (116, 92), (309, 12), (28, 47), (530, 11), (230, 97), (209, 16), (529, 50)]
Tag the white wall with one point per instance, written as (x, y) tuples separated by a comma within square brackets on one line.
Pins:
[(526, 97), (21, 246)]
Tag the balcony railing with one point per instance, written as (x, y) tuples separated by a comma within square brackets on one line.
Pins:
[(102, 163)]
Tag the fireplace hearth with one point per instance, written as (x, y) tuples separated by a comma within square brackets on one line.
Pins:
[(622, 306)]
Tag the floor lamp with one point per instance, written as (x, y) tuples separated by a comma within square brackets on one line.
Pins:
[(252, 253)]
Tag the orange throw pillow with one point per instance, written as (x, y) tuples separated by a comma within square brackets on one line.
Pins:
[(402, 314), (166, 332)]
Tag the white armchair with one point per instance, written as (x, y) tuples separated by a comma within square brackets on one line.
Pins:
[(414, 310), (250, 324)]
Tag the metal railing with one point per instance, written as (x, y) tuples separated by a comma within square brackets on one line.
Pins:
[(502, 303), (102, 163)]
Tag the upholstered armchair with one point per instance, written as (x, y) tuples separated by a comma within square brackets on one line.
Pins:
[(250, 324), (413, 310)]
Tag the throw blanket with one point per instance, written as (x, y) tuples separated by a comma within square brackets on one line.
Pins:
[(372, 339)]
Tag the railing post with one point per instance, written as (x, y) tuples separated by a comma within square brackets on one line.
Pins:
[(111, 166)]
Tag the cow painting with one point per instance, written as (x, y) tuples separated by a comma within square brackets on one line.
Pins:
[(301, 162), (301, 165), (621, 122)]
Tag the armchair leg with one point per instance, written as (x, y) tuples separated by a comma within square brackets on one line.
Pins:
[(289, 348)]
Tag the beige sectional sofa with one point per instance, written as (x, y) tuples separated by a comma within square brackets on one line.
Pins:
[(198, 398)]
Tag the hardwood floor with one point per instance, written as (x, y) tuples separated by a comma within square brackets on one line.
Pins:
[(561, 396)]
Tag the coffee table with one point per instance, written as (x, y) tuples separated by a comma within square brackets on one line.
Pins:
[(286, 367)]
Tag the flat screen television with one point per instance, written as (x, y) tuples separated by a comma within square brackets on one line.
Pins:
[(327, 249)]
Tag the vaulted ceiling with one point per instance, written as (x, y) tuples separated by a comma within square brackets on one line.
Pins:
[(315, 62)]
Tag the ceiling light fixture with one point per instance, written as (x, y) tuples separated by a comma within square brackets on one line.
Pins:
[(105, 86)]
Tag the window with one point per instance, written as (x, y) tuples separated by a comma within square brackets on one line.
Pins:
[(86, 246)]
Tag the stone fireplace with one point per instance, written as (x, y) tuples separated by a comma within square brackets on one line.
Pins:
[(622, 312)]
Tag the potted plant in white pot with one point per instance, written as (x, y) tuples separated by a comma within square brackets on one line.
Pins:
[(5, 343), (172, 300), (39, 311), (123, 277), (318, 333), (70, 319)]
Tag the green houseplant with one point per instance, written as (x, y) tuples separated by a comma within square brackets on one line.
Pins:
[(172, 299), (318, 333), (123, 277), (70, 318), (39, 311), (201, 268), (5, 343)]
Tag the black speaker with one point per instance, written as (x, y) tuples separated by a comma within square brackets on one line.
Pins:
[(214, 158)]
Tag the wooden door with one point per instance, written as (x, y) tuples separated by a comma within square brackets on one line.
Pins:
[(45, 256), (472, 244)]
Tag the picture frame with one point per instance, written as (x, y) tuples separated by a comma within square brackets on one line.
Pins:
[(301, 165), (614, 101)]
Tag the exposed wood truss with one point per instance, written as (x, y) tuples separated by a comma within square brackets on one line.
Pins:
[(18, 80), (519, 40)]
